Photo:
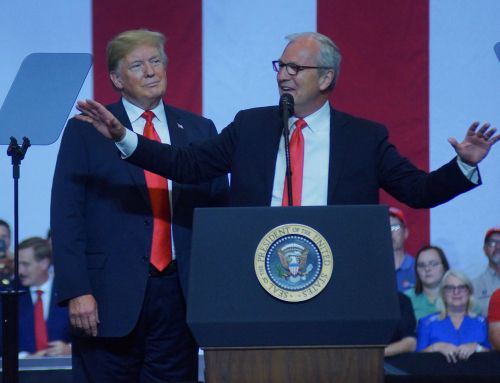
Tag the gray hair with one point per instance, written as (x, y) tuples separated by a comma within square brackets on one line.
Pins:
[(329, 53)]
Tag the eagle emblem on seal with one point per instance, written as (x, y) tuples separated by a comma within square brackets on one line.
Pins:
[(293, 259)]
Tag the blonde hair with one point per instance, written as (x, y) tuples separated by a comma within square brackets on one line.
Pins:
[(127, 41), (440, 303)]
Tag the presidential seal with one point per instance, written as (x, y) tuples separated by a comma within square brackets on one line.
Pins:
[(293, 262)]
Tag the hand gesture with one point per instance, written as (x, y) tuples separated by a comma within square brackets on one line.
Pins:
[(102, 119), (476, 144), (83, 314)]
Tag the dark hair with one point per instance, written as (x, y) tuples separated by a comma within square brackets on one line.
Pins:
[(4, 223), (40, 246), (442, 257)]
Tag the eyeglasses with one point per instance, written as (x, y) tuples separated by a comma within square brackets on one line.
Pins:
[(431, 264), (292, 69), (395, 227), (459, 289), (492, 243)]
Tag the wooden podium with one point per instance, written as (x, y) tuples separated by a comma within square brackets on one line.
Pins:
[(250, 336)]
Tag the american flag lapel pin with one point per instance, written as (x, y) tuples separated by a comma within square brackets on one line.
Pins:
[(179, 125)]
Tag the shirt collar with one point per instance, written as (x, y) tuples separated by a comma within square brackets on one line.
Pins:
[(134, 113), (315, 121), (45, 287)]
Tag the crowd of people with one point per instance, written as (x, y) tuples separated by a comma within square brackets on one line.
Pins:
[(442, 309), (451, 314)]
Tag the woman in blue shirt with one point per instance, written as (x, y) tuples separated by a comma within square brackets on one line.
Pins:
[(455, 331)]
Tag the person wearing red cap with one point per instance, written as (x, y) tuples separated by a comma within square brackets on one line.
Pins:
[(487, 282), (494, 320), (404, 263)]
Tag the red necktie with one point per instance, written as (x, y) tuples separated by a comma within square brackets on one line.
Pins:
[(41, 337), (161, 247), (297, 164)]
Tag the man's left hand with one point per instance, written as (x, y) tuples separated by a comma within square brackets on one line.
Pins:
[(476, 144)]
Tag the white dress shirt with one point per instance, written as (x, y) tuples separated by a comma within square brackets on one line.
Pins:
[(160, 123)]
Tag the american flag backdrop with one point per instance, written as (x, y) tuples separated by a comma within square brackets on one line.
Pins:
[(424, 68)]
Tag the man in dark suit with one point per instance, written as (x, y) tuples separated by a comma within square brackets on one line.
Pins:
[(346, 160), (47, 334), (121, 236)]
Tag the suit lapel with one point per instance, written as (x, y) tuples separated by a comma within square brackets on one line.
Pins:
[(136, 173), (337, 151), (273, 132)]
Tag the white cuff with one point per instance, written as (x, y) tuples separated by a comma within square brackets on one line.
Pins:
[(470, 172), (127, 144)]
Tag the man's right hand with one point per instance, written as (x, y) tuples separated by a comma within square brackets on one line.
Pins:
[(83, 314), (102, 119)]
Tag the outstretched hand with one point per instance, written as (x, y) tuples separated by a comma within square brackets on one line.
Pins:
[(476, 144), (102, 119)]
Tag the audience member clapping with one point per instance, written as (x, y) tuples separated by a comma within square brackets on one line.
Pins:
[(431, 264), (456, 331)]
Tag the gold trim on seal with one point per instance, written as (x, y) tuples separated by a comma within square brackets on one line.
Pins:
[(286, 230)]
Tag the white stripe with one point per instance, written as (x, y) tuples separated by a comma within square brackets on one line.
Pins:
[(32, 26), (464, 84), (240, 39)]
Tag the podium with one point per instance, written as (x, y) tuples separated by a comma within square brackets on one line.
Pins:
[(249, 335)]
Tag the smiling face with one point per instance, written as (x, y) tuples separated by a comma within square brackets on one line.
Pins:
[(456, 294), (308, 88), (141, 77)]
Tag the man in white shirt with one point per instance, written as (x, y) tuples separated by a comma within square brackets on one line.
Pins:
[(52, 324), (354, 156)]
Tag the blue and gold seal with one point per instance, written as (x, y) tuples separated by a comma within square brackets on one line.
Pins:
[(293, 262)]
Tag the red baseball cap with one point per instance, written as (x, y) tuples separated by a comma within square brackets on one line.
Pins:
[(490, 232), (398, 213)]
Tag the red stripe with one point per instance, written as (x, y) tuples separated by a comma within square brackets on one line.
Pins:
[(384, 77), (180, 21)]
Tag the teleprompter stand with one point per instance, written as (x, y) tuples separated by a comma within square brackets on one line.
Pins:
[(37, 106), (249, 335)]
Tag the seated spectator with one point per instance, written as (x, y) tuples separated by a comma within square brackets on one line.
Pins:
[(404, 339), (494, 320), (489, 280), (431, 264), (43, 325), (456, 331), (403, 261)]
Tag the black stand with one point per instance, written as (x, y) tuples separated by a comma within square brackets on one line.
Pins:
[(286, 110), (10, 347), (49, 83)]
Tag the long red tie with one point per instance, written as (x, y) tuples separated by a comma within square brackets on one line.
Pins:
[(296, 163), (41, 338), (161, 248)]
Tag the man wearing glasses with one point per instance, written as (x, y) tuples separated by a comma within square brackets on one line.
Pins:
[(345, 160), (404, 263), (487, 282)]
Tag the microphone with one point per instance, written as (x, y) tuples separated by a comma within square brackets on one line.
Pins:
[(286, 104), (286, 110)]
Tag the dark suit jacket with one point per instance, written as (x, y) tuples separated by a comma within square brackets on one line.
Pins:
[(362, 160), (101, 218), (57, 322)]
